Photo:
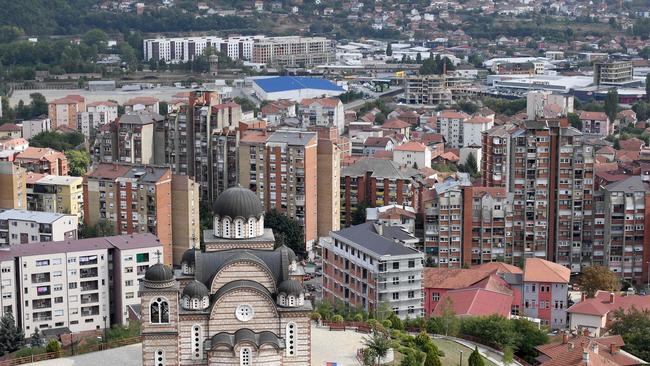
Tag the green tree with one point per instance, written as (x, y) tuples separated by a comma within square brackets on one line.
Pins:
[(528, 335), (432, 357), (596, 277), (508, 356), (10, 33), (95, 38), (291, 230), (379, 343), (634, 327), (611, 104), (78, 162), (53, 346), (359, 214), (449, 319), (575, 121), (389, 49), (102, 228), (471, 165), (475, 359), (38, 105), (11, 337), (57, 141), (418, 58), (36, 340)]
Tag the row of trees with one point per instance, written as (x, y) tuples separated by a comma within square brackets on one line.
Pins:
[(37, 107)]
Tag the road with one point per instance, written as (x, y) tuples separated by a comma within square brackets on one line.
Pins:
[(359, 102)]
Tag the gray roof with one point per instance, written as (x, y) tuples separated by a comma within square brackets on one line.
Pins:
[(365, 235), (238, 202), (380, 168), (140, 118), (290, 287), (230, 340), (239, 284), (630, 185), (195, 289), (159, 273), (148, 174), (189, 256), (209, 263), (292, 137), (35, 216)]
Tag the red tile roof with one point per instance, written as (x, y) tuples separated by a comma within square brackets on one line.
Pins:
[(601, 304), (69, 99), (478, 120), (452, 278), (449, 114), (105, 102), (10, 127), (412, 146), (571, 352), (395, 124), (374, 141), (141, 100), (633, 144), (499, 267), (593, 116), (540, 270), (325, 102), (475, 302)]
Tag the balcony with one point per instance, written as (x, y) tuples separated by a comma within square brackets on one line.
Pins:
[(42, 316), (89, 298), (89, 286), (88, 272), (90, 310)]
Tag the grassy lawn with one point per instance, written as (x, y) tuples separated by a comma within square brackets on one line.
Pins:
[(452, 353)]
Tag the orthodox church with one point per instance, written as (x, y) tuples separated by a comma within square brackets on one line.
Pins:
[(237, 302)]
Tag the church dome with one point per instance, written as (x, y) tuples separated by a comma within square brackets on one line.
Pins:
[(290, 253), (159, 273), (290, 287), (238, 202), (188, 256), (195, 290)]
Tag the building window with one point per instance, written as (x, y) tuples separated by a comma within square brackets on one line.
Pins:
[(159, 311), (435, 296), (244, 313), (197, 345), (245, 357), (159, 358), (291, 331)]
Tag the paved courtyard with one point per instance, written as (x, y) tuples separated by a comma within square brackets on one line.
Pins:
[(326, 346)]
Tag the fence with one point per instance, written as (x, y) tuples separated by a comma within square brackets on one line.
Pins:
[(78, 350)]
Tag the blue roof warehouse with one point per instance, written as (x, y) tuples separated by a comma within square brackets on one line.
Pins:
[(294, 88)]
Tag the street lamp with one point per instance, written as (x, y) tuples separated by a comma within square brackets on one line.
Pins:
[(461, 359), (648, 284), (104, 329)]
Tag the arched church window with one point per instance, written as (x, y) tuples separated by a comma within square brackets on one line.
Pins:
[(292, 300), (290, 336), (159, 357), (159, 311), (197, 344), (245, 357)]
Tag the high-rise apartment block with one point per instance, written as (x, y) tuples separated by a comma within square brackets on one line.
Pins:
[(550, 171), (329, 181), (376, 182), (613, 73), (22, 227), (14, 186), (80, 285)]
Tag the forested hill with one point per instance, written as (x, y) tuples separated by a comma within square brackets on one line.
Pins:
[(67, 17)]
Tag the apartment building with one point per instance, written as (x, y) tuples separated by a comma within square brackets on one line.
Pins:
[(412, 154), (596, 123), (431, 89), (63, 111), (613, 73), (368, 264), (42, 160), (623, 221), (55, 193), (546, 104), (104, 148), (136, 137), (291, 186), (376, 182), (22, 227), (550, 171), (293, 51), (546, 292), (145, 104), (106, 109), (13, 194), (329, 181), (33, 127), (252, 163), (88, 122), (201, 141), (134, 199), (450, 125), (184, 49), (473, 129), (323, 112), (81, 285), (186, 225)]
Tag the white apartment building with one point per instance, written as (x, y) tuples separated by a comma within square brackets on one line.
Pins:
[(33, 127), (323, 112), (473, 129), (184, 49), (107, 109), (370, 264), (22, 227), (412, 154), (88, 122), (450, 124), (545, 104), (78, 284)]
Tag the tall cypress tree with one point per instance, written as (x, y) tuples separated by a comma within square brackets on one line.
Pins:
[(11, 337)]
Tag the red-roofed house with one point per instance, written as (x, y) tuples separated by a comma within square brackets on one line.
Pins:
[(374, 144), (581, 350), (397, 126), (64, 111), (475, 302), (437, 281), (276, 111), (546, 286), (43, 160), (412, 154), (633, 144), (594, 314), (150, 104), (595, 123), (10, 130), (607, 151)]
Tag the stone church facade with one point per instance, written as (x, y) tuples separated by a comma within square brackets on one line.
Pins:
[(238, 302)]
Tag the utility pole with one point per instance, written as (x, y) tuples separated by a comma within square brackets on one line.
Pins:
[(461, 359)]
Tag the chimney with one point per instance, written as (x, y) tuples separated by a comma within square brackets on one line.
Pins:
[(613, 348), (583, 296), (565, 337), (585, 332), (612, 297), (379, 228), (571, 346), (594, 347), (585, 356)]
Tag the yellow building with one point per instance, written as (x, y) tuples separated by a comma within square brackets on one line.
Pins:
[(13, 192), (55, 193)]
